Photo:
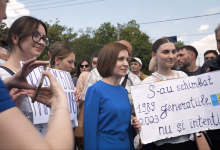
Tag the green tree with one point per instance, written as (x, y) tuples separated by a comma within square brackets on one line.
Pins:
[(179, 44), (141, 46), (105, 34), (4, 31), (83, 47), (85, 42), (91, 40), (57, 32)]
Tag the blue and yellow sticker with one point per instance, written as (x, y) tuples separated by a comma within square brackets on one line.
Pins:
[(215, 98)]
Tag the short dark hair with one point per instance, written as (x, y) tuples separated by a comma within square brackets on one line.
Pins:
[(78, 72), (95, 54), (217, 29), (23, 27), (158, 43), (134, 60), (108, 57), (189, 48), (211, 51)]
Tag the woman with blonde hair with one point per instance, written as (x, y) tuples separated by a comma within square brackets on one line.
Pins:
[(62, 57)]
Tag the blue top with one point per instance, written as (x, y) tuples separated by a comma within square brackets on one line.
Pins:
[(107, 113), (5, 99)]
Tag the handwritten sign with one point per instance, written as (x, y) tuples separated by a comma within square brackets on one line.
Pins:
[(41, 112), (177, 107)]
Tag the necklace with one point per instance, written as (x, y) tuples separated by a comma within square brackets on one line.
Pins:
[(161, 78), (13, 64)]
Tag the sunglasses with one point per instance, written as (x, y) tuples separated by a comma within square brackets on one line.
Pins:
[(82, 66)]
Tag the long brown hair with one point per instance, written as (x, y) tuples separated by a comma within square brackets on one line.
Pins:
[(24, 27), (59, 50)]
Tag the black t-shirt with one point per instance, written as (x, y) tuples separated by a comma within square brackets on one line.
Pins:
[(213, 64), (197, 72)]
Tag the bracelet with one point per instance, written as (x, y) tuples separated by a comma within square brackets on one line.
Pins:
[(57, 109)]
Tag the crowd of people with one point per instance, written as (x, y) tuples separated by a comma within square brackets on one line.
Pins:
[(106, 114)]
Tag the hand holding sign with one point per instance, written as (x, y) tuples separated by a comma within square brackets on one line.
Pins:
[(177, 107), (136, 124)]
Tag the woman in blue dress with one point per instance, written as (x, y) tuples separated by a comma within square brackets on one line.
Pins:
[(107, 110)]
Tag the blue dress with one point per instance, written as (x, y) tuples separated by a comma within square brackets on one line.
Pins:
[(107, 113)]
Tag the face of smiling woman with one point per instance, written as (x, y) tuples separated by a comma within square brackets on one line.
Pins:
[(166, 55), (33, 49)]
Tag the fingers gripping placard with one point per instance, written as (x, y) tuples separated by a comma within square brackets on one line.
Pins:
[(177, 107)]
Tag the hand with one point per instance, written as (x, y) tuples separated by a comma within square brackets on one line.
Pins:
[(44, 96), (77, 94), (136, 124), (18, 80), (15, 93), (58, 97), (79, 135)]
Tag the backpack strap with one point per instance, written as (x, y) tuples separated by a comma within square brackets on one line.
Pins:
[(125, 81), (8, 70)]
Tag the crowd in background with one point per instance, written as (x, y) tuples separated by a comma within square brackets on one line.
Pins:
[(106, 115)]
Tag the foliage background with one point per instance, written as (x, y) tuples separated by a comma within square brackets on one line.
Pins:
[(86, 41)]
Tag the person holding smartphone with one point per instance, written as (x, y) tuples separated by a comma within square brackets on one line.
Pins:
[(23, 46)]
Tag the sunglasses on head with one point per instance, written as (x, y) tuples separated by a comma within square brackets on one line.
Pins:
[(82, 66)]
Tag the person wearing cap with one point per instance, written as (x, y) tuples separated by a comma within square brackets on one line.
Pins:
[(136, 65)]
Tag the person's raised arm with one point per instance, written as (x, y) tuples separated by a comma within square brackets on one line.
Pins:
[(14, 125), (152, 65), (59, 132)]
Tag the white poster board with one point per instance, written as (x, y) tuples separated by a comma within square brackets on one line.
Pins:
[(41, 112), (177, 107)]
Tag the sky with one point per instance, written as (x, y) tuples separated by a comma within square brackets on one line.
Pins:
[(198, 32)]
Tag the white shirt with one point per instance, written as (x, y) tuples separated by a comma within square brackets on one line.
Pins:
[(1, 61)]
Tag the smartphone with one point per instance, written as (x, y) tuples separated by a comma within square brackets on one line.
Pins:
[(172, 39), (39, 85)]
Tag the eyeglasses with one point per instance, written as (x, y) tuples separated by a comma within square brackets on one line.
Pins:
[(37, 37), (82, 66)]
